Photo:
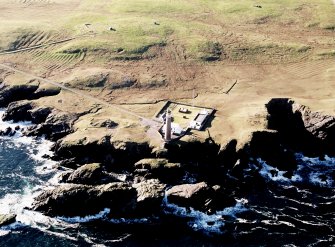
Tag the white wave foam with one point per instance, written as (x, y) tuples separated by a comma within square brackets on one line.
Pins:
[(327, 161), (4, 232), (88, 218), (130, 221), (311, 170), (38, 150), (297, 202), (15, 203), (315, 179), (275, 174), (317, 171), (201, 221), (7, 229), (11, 124), (277, 223), (45, 224)]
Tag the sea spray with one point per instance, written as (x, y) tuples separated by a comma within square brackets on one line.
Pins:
[(25, 160), (77, 219), (200, 221), (310, 171)]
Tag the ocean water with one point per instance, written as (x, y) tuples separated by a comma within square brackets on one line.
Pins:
[(299, 211)]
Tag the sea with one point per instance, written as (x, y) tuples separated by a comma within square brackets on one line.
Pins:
[(296, 211)]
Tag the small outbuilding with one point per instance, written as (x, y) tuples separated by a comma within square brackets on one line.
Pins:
[(200, 120), (183, 110)]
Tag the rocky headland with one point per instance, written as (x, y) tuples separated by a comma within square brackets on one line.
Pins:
[(110, 165)]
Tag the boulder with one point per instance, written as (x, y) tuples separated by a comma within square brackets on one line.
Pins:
[(6, 219), (18, 111), (65, 200), (86, 174), (90, 174), (119, 197), (150, 194), (8, 131), (81, 200), (160, 168), (106, 124), (10, 94), (69, 163), (151, 164), (40, 114), (220, 199), (189, 195), (56, 125), (200, 196)]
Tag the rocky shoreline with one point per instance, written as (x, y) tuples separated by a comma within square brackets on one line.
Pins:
[(132, 179)]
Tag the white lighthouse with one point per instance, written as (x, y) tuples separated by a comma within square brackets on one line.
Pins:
[(168, 117)]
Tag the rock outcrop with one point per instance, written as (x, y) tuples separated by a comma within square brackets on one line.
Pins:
[(6, 219), (150, 194), (18, 111), (200, 196), (300, 128), (10, 94), (39, 114), (81, 200), (44, 92), (7, 132), (28, 90), (90, 174), (267, 145), (91, 187), (26, 111), (89, 150), (56, 125), (159, 168)]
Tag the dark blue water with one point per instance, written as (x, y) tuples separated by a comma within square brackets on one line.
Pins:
[(294, 212)]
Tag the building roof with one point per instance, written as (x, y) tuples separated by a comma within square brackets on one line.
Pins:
[(201, 117)]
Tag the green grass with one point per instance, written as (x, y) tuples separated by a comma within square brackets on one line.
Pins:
[(136, 32), (196, 25)]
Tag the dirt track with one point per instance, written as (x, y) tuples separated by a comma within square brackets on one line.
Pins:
[(144, 120)]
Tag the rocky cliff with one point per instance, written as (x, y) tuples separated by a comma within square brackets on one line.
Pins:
[(130, 175)]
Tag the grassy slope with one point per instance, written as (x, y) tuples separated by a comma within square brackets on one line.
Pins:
[(197, 25)]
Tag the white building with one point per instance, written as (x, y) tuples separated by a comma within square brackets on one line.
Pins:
[(200, 120)]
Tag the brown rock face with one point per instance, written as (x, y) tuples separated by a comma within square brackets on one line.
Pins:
[(150, 194), (81, 200), (189, 195), (160, 168), (90, 174), (319, 125), (18, 111), (56, 125), (10, 94), (300, 128), (200, 196)]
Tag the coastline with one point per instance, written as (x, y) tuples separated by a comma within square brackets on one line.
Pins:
[(292, 128)]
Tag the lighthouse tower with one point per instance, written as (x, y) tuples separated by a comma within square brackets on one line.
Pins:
[(167, 136)]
